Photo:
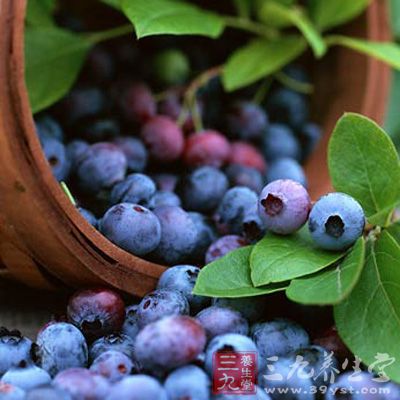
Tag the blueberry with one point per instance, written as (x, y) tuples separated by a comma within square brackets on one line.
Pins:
[(56, 156), (278, 337), (297, 73), (82, 384), (310, 134), (252, 308), (336, 221), (135, 189), (290, 385), (10, 392), (392, 390), (189, 382), (163, 138), (81, 102), (219, 320), (169, 343), (165, 181), (279, 141), (178, 235), (160, 303), (27, 377), (75, 150), (259, 395), (232, 342), (89, 216), (171, 67), (136, 103), (113, 365), (116, 342), (286, 168), (284, 206), (137, 387), (15, 350), (203, 189), (132, 227), (287, 106), (240, 175), (206, 234), (99, 130), (164, 198), (183, 278), (47, 393), (100, 65), (48, 126), (135, 153), (245, 154), (223, 246), (360, 387), (246, 120), (131, 325), (206, 148), (101, 166), (61, 346), (234, 206), (96, 312)]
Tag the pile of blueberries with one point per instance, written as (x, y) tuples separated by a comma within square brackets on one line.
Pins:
[(162, 349), (145, 175)]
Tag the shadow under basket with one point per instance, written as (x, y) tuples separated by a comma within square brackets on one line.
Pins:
[(44, 241)]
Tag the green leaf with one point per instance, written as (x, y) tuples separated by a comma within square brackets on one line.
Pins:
[(392, 120), (230, 277), (369, 319), (53, 59), (280, 258), (395, 16), (272, 10), (39, 13), (332, 285), (158, 17), (328, 14), (260, 58), (384, 51), (270, 20), (364, 164)]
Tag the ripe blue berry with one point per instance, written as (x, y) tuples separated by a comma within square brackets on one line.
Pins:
[(48, 126), (183, 278), (96, 312), (169, 343), (309, 135), (203, 189), (223, 246), (206, 234), (189, 382), (135, 189), (75, 150), (279, 141), (165, 181), (101, 166), (240, 175), (171, 67), (10, 392), (233, 342), (15, 350), (82, 384), (160, 303), (132, 227), (137, 387), (131, 325), (113, 365), (135, 152), (164, 198), (115, 342), (284, 206), (286, 168), (89, 216), (27, 377), (47, 393), (219, 320), (178, 235), (278, 337), (336, 221), (61, 346), (99, 130), (246, 120), (100, 65)]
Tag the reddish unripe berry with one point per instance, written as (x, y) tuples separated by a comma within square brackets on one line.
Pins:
[(96, 312), (164, 139), (247, 155), (331, 341), (206, 148)]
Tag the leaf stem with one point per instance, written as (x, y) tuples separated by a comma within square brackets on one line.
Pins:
[(249, 26), (97, 37), (263, 90)]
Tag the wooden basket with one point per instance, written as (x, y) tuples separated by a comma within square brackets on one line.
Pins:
[(44, 241)]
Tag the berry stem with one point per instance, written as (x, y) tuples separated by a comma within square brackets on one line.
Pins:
[(101, 36), (242, 8), (262, 91), (66, 190), (246, 24), (301, 87)]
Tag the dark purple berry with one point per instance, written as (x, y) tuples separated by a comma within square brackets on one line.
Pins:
[(114, 342), (135, 153), (113, 365), (280, 142), (223, 246), (240, 175)]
